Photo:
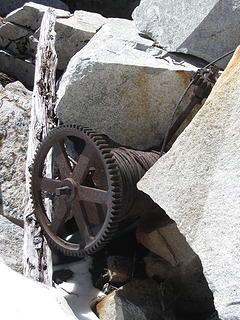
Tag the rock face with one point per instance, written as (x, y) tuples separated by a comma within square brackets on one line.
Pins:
[(121, 85), (22, 298), (199, 31), (15, 112), (11, 242), (137, 300), (197, 184), (10, 5)]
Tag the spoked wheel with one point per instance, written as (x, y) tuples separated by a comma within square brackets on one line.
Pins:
[(84, 191)]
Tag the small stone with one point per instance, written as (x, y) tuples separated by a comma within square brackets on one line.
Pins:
[(139, 299), (156, 244)]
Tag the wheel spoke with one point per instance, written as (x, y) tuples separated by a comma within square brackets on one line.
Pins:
[(84, 161), (101, 212), (62, 160), (92, 195), (78, 211), (94, 212), (61, 212), (48, 184)]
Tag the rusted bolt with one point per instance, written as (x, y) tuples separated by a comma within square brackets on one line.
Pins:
[(63, 191)]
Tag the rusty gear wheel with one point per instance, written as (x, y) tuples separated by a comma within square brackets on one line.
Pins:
[(84, 191)]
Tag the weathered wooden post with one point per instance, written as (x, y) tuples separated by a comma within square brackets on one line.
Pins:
[(36, 253)]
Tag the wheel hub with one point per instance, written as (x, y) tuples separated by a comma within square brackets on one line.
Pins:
[(68, 188)]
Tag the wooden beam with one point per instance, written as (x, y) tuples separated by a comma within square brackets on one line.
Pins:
[(36, 253)]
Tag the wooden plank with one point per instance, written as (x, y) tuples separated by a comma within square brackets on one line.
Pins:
[(36, 253)]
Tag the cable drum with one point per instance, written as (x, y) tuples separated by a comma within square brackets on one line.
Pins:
[(133, 164)]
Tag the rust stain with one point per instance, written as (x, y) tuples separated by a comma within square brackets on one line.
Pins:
[(185, 77), (2, 21), (101, 306), (138, 97)]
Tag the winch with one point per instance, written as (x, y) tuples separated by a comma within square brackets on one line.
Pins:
[(92, 188)]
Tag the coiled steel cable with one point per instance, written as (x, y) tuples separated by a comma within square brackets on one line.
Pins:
[(133, 165)]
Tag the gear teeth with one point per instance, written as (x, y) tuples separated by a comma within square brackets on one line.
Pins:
[(113, 171), (110, 161), (97, 138), (104, 146), (116, 202), (105, 151), (117, 195), (90, 133), (114, 178), (116, 184), (108, 157), (113, 167), (102, 142)]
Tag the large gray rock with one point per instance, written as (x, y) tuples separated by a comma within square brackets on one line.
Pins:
[(206, 29), (30, 15), (197, 184), (11, 243), (10, 5), (20, 33), (122, 86), (15, 112)]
